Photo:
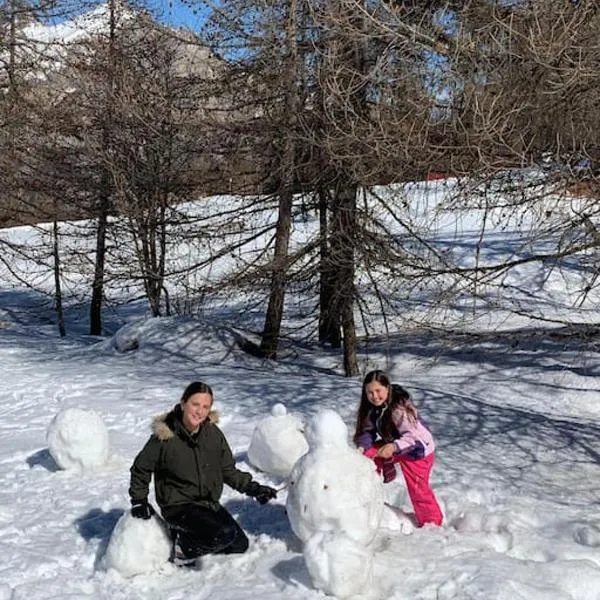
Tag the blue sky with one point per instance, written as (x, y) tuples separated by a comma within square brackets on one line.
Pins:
[(178, 13), (173, 12)]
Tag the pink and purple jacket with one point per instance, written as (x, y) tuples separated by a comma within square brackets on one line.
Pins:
[(412, 440)]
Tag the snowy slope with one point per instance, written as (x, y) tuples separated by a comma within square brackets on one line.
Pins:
[(515, 415), (520, 488)]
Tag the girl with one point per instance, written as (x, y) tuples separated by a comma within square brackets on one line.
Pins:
[(389, 431), (191, 460)]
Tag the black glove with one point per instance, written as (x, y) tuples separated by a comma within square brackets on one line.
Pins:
[(141, 509), (262, 493)]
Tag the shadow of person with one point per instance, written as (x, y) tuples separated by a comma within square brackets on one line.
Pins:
[(98, 524)]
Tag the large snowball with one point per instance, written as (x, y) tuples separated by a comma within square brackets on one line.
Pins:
[(77, 439), (338, 565), (137, 546), (334, 487), (277, 442)]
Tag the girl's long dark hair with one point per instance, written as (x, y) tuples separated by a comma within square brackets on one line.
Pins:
[(398, 397)]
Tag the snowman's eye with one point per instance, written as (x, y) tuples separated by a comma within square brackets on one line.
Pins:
[(325, 486)]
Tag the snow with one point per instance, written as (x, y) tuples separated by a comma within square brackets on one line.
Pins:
[(78, 439), (277, 442), (516, 420)]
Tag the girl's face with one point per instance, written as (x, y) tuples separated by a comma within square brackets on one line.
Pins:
[(196, 410), (377, 393)]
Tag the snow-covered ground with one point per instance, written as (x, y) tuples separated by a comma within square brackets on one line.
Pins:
[(516, 418)]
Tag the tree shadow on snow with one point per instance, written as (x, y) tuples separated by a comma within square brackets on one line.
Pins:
[(44, 459), (513, 447), (98, 524)]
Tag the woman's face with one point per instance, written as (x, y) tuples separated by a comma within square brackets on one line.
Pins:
[(377, 393), (196, 410)]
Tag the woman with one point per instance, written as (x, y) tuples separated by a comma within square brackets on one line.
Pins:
[(191, 460)]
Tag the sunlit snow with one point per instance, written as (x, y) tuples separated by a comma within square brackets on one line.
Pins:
[(516, 420)]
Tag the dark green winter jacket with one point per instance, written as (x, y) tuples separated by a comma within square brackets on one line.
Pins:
[(187, 469)]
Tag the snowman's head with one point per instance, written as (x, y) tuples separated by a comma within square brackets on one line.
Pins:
[(327, 430)]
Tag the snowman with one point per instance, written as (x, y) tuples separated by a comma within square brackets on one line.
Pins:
[(335, 505), (277, 442)]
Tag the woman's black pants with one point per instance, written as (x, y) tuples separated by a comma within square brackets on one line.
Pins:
[(201, 530)]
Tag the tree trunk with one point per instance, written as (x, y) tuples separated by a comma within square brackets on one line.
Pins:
[(58, 305), (272, 329), (98, 282), (279, 266), (343, 241), (329, 322)]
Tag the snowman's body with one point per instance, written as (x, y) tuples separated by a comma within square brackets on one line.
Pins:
[(335, 504)]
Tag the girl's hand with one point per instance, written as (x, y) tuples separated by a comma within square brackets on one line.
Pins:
[(387, 450)]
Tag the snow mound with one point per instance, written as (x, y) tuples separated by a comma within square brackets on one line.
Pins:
[(277, 442), (137, 546), (78, 439)]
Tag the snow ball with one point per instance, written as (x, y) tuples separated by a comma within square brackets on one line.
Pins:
[(338, 565), (137, 546), (334, 489), (277, 442), (78, 439), (327, 430)]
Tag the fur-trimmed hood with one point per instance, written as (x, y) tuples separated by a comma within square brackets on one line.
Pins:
[(163, 426)]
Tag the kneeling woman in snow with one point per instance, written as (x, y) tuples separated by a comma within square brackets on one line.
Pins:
[(191, 460), (389, 431)]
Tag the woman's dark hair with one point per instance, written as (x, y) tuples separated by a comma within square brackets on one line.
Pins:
[(196, 387), (365, 405)]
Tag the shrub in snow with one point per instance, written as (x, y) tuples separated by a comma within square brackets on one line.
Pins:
[(277, 442), (137, 546), (338, 565), (77, 439), (333, 487)]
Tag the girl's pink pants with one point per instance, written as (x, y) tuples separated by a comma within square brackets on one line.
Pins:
[(416, 475)]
